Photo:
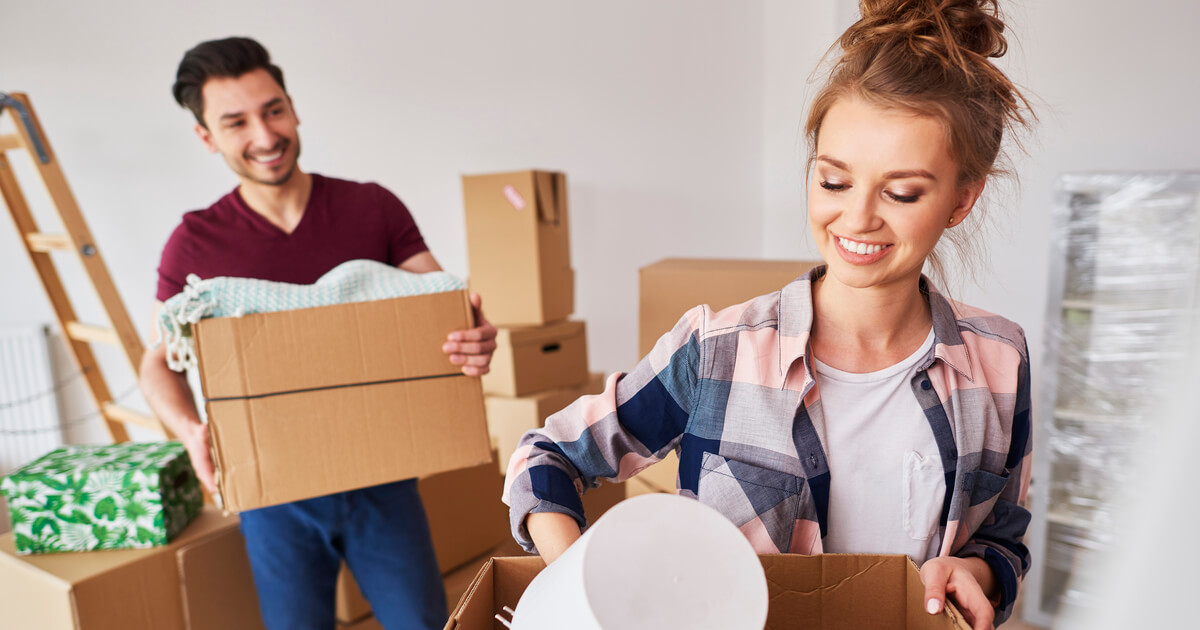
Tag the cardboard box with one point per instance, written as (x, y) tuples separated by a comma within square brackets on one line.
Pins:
[(871, 592), (669, 287), (351, 606), (164, 588), (116, 496), (368, 623), (661, 477), (309, 402), (216, 581), (509, 417), (537, 358), (466, 520), (597, 501), (518, 246), (466, 516)]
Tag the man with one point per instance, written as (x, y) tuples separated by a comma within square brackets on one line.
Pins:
[(286, 225)]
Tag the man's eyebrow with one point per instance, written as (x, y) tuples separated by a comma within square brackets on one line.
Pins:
[(269, 104)]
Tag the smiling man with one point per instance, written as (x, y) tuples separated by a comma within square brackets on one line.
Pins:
[(285, 225)]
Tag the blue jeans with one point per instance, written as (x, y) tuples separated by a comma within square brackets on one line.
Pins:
[(296, 548)]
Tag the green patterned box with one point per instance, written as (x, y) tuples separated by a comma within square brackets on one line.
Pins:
[(82, 498)]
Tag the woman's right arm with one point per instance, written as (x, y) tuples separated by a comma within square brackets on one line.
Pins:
[(637, 421)]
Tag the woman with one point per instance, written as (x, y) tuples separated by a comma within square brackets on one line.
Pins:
[(856, 410)]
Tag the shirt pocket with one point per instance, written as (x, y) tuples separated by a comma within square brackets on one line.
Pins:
[(762, 502), (924, 490)]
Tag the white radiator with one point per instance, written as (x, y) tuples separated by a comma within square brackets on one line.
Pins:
[(29, 422)]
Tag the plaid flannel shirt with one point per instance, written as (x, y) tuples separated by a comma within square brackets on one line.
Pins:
[(733, 394)]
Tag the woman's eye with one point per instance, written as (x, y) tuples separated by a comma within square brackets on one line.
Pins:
[(903, 198), (834, 186)]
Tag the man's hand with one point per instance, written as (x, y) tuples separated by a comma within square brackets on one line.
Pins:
[(472, 349), (955, 577), (195, 440)]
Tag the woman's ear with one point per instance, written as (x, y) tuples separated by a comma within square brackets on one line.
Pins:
[(967, 196)]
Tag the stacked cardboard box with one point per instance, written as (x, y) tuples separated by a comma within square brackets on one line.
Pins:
[(201, 580), (466, 520), (669, 287), (518, 246)]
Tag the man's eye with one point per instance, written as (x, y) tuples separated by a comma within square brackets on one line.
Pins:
[(276, 112), (834, 186), (234, 125)]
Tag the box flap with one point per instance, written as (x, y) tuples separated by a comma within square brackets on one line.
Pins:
[(547, 196), (530, 335), (473, 610), (329, 346)]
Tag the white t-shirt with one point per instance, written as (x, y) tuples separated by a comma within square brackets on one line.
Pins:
[(886, 479)]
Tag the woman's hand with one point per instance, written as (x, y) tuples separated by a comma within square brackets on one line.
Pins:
[(965, 580), (552, 532), (473, 348)]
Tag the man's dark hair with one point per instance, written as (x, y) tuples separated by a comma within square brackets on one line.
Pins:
[(224, 58)]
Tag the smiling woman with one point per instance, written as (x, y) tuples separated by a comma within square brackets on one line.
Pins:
[(856, 410)]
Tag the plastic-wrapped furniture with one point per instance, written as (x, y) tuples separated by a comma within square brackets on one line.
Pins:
[(1125, 260)]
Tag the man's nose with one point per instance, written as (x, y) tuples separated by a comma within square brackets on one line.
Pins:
[(262, 136)]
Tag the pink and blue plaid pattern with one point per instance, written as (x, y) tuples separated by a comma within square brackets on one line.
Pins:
[(733, 393)]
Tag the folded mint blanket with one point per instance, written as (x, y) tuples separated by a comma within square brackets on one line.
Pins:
[(353, 281)]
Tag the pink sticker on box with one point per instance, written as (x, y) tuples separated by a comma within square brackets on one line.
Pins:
[(514, 197)]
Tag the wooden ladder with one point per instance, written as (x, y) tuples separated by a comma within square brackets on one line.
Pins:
[(78, 239)]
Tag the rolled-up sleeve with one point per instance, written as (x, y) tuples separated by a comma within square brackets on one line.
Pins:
[(999, 540), (636, 422)]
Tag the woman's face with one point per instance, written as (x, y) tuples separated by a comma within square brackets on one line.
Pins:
[(883, 190)]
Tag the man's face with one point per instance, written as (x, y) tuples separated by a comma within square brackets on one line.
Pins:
[(250, 121)]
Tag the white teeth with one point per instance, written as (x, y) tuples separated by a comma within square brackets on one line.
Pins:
[(858, 248), (268, 158)]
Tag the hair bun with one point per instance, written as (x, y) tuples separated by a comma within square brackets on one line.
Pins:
[(943, 28)]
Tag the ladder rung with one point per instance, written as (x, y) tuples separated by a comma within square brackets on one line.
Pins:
[(93, 334), (9, 142), (43, 243), (117, 413)]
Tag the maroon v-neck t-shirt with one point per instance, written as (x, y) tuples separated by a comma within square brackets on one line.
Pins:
[(343, 221)]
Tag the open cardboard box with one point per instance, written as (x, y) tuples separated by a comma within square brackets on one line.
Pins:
[(309, 402), (825, 592)]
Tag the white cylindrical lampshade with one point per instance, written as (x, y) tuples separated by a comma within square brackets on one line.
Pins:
[(651, 562)]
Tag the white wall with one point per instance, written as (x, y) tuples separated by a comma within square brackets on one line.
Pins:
[(678, 123), (653, 109)]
